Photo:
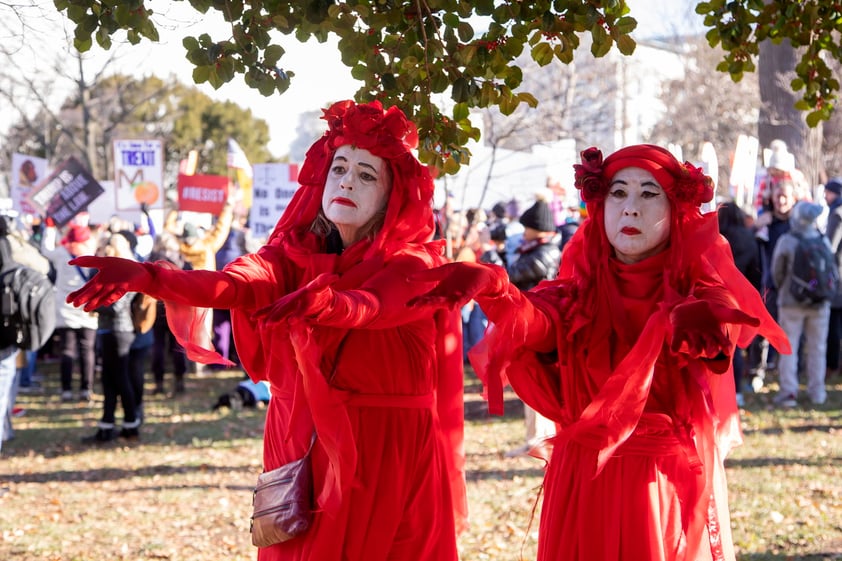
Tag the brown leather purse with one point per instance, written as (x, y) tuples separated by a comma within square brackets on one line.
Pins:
[(283, 502)]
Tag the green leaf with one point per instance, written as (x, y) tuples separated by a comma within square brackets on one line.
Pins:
[(201, 74), (389, 82), (460, 90), (626, 44), (542, 53), (460, 111), (272, 55)]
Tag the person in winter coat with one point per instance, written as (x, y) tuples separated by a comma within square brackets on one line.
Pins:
[(833, 198), (76, 328), (320, 312), (629, 351), (733, 226), (538, 259), (116, 333), (801, 321)]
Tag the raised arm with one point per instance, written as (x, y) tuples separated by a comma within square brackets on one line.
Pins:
[(376, 301), (503, 303), (162, 280)]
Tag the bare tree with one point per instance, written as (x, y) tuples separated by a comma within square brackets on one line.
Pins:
[(779, 119), (707, 106)]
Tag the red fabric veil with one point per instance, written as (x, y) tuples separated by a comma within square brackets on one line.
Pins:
[(583, 304)]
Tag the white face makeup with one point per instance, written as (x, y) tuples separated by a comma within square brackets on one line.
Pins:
[(356, 188), (637, 215)]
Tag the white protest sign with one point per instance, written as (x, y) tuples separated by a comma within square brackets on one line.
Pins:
[(27, 173), (273, 188), (138, 174)]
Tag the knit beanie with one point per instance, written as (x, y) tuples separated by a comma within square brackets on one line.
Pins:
[(804, 215), (834, 185), (538, 217)]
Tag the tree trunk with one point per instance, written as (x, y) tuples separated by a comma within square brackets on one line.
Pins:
[(779, 119)]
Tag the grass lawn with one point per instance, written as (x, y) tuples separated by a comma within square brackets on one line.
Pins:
[(183, 492)]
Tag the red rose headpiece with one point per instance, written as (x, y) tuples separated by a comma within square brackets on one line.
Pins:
[(387, 134), (685, 184)]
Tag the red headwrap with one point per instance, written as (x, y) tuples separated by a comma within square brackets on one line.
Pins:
[(686, 185), (386, 134)]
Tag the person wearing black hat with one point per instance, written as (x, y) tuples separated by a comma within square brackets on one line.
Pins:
[(539, 256), (833, 198)]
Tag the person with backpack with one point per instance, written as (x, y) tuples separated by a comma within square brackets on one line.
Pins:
[(804, 270), (16, 253)]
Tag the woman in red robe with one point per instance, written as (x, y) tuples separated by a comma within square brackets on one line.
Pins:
[(320, 312), (628, 351)]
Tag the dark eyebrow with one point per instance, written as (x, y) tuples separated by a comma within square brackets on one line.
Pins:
[(644, 184), (369, 166)]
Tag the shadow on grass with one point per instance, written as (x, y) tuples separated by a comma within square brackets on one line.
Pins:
[(831, 426), (503, 474), (778, 462), (478, 410), (116, 474), (824, 556), (54, 441)]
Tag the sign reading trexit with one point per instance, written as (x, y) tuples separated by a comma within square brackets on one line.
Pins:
[(138, 174)]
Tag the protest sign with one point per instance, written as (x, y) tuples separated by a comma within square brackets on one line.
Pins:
[(202, 193), (138, 174), (272, 190), (27, 173), (66, 192)]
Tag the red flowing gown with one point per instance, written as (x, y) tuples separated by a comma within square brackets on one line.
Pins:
[(636, 470), (384, 398)]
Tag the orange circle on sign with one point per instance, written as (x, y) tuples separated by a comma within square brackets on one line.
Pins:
[(146, 192)]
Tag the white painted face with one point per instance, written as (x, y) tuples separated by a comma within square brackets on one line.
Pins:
[(356, 188), (637, 215)]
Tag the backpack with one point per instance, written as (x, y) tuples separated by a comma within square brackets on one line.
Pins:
[(27, 304), (815, 274)]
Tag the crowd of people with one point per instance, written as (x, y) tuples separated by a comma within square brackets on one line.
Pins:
[(617, 321), (129, 339)]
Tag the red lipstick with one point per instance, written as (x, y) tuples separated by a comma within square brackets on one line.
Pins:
[(343, 201)]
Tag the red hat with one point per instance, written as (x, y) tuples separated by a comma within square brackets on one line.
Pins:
[(76, 233)]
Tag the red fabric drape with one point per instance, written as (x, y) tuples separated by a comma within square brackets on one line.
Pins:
[(644, 431), (382, 395)]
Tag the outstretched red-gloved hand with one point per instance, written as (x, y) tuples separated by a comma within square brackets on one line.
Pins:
[(161, 280), (699, 330), (458, 283), (115, 277), (311, 300)]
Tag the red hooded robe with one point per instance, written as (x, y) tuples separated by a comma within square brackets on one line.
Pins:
[(636, 470), (379, 382)]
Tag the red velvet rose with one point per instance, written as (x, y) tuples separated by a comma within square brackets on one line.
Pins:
[(588, 175), (693, 188)]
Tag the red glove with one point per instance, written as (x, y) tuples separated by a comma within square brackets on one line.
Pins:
[(458, 283), (115, 277), (306, 302), (319, 303), (700, 331)]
